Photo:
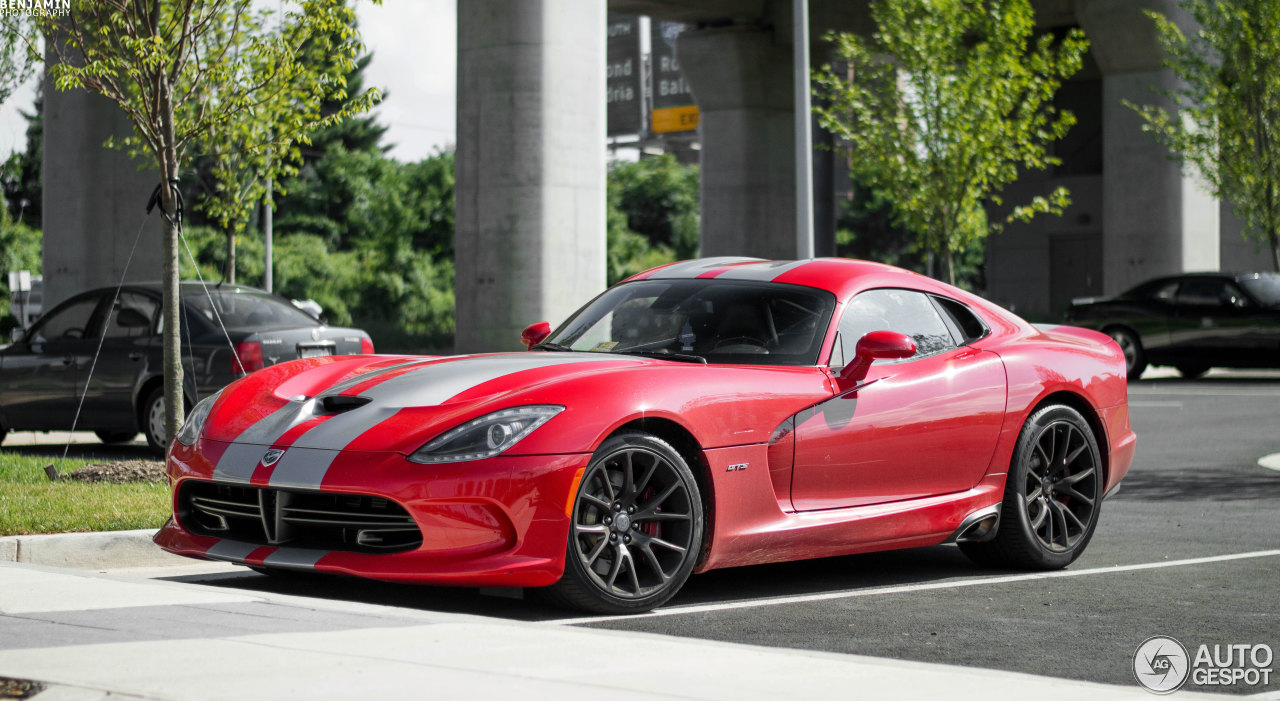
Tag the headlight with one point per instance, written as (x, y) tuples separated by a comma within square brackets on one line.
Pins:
[(194, 424), (486, 436)]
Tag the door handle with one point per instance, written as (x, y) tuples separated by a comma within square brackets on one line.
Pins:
[(135, 355), (67, 360)]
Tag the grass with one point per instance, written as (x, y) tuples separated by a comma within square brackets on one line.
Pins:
[(31, 503)]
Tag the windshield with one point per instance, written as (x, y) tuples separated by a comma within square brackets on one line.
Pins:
[(1265, 287), (723, 321), (246, 310)]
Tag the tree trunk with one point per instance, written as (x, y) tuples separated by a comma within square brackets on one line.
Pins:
[(951, 265), (172, 363), (229, 272), (1275, 249)]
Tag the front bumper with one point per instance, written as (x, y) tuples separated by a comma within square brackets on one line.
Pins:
[(496, 522)]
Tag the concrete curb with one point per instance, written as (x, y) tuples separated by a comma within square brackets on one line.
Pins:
[(89, 551)]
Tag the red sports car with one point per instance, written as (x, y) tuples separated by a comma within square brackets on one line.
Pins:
[(705, 414)]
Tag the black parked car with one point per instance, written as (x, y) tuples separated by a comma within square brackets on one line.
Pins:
[(1191, 322), (43, 373)]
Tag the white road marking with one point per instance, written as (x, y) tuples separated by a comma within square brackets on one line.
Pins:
[(909, 588), (1271, 462), (1152, 392)]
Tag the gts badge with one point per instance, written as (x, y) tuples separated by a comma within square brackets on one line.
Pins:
[(738, 467), (272, 457)]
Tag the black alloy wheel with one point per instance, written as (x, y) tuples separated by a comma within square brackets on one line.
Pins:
[(1135, 360), (636, 530), (1052, 495)]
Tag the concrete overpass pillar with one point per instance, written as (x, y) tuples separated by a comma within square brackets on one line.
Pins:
[(90, 221), (742, 81), (530, 222), (1156, 218)]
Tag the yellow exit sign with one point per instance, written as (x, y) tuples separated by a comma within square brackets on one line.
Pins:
[(671, 119)]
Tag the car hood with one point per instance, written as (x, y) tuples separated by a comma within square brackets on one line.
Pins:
[(330, 402)]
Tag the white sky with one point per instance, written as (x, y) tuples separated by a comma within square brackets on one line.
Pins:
[(414, 45)]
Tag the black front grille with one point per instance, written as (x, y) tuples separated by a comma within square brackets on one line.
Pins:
[(351, 522)]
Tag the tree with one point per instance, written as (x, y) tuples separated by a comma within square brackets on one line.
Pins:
[(23, 187), (1225, 119), (18, 55), (660, 199), (943, 106), (232, 177), (183, 72)]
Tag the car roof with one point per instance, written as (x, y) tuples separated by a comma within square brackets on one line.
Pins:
[(841, 276), (1203, 275), (187, 287)]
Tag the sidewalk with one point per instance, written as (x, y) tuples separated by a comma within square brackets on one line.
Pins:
[(21, 438), (89, 635)]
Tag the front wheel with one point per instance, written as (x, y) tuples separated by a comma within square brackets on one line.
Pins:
[(1052, 495), (636, 529)]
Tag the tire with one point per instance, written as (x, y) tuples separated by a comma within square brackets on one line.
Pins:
[(1192, 371), (1135, 359), (636, 530), (1049, 515), (115, 437), (151, 418)]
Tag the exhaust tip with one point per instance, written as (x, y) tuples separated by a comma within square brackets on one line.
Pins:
[(983, 529)]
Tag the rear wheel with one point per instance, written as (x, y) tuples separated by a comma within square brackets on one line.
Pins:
[(1192, 371), (153, 420), (1051, 497), (636, 530), (1135, 360), (114, 437)]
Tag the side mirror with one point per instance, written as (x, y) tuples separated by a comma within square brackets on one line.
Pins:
[(877, 345), (534, 334)]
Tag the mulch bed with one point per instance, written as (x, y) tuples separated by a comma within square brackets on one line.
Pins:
[(19, 688), (119, 472)]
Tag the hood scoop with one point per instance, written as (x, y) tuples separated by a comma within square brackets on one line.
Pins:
[(338, 403)]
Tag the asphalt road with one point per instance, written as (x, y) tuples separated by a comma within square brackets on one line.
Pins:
[(1188, 548)]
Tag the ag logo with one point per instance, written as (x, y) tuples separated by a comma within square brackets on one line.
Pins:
[(272, 457), (1161, 665)]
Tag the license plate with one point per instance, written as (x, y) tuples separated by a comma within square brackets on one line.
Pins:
[(316, 352)]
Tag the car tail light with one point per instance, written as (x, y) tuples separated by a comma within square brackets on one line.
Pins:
[(366, 346), (248, 358)]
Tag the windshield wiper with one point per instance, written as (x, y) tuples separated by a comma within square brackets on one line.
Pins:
[(665, 355), (551, 347)]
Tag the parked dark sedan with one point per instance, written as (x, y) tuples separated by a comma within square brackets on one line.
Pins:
[(43, 374), (1192, 322)]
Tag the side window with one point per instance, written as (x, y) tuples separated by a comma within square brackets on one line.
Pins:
[(905, 311), (1165, 292), (970, 326), (1204, 292), (69, 322), (133, 316)]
